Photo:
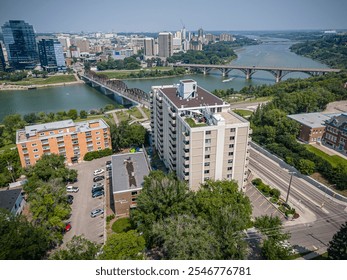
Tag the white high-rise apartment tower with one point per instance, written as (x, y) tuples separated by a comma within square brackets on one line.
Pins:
[(197, 136)]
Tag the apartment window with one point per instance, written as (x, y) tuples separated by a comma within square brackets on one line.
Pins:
[(98, 143), (219, 109), (88, 133), (231, 146), (61, 131), (232, 129), (207, 141), (98, 132), (42, 134), (229, 168), (230, 153), (133, 193), (207, 149), (206, 164), (99, 148), (208, 132), (51, 133), (75, 142), (36, 156), (207, 156), (134, 199), (230, 161), (207, 172), (35, 150), (97, 138), (24, 146), (229, 176), (206, 178), (33, 145), (232, 138)]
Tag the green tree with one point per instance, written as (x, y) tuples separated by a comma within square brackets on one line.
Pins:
[(272, 247), (78, 248), (124, 246), (72, 114), (337, 249), (11, 124), (185, 237), (20, 240), (306, 166), (161, 197), (83, 114)]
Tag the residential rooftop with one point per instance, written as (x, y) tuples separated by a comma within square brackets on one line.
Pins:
[(203, 97), (68, 126), (311, 119), (128, 171), (8, 198)]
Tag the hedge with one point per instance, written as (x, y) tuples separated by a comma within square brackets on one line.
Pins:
[(97, 154)]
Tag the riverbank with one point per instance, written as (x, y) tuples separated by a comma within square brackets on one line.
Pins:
[(18, 87)]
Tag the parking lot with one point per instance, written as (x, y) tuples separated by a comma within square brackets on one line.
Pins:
[(81, 221), (261, 206)]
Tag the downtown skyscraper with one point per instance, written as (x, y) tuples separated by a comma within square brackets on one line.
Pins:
[(20, 43)]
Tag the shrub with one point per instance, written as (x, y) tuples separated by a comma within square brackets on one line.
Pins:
[(275, 193), (109, 218), (257, 181), (97, 154), (121, 225)]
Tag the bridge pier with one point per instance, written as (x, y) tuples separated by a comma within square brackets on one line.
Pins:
[(278, 76)]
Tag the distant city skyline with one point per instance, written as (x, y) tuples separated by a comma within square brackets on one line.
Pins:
[(156, 16)]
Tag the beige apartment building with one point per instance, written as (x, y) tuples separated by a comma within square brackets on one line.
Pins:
[(197, 135), (67, 138)]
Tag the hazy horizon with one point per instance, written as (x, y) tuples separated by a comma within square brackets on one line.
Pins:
[(49, 16)]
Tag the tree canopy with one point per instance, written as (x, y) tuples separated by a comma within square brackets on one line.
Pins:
[(337, 249)]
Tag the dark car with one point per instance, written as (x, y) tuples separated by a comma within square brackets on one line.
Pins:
[(97, 194), (69, 198), (108, 162), (97, 189), (98, 178)]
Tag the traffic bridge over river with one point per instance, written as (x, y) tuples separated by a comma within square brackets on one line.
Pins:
[(277, 72)]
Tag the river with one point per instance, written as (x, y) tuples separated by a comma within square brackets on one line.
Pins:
[(272, 52)]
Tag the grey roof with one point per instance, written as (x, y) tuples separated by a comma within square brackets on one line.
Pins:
[(33, 129), (339, 121), (8, 198), (310, 119), (128, 171), (203, 98)]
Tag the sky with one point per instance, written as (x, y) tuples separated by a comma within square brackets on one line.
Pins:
[(170, 15)]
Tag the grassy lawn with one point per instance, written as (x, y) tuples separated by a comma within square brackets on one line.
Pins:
[(44, 81), (147, 112), (122, 116), (243, 113), (135, 112), (333, 160), (192, 123)]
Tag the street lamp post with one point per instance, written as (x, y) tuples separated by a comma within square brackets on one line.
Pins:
[(10, 169), (290, 182)]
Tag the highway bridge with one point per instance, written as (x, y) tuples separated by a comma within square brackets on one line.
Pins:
[(117, 89), (277, 72)]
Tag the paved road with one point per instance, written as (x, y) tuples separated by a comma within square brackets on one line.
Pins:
[(81, 222), (322, 215)]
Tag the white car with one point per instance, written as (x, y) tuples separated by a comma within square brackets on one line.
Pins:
[(72, 189), (96, 212), (98, 172)]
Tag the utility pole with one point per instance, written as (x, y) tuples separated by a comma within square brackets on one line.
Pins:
[(10, 169), (290, 182)]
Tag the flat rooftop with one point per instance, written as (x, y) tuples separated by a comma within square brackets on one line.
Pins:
[(311, 119), (128, 171), (203, 98)]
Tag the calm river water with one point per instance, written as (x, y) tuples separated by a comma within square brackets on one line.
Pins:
[(271, 53)]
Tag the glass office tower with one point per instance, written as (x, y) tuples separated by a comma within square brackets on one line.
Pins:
[(51, 55), (19, 39)]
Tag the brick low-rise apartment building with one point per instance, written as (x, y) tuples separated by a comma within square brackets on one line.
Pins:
[(336, 133), (67, 138)]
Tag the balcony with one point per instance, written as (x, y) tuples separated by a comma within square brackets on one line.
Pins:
[(61, 145), (60, 139)]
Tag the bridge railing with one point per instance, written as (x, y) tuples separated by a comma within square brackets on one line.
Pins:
[(133, 94)]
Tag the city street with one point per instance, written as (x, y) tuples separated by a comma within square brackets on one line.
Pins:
[(321, 215)]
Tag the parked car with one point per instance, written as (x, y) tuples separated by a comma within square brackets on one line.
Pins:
[(69, 198), (109, 167), (72, 189), (97, 194), (96, 212), (98, 172), (67, 227), (108, 162), (97, 189), (98, 178), (97, 185)]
